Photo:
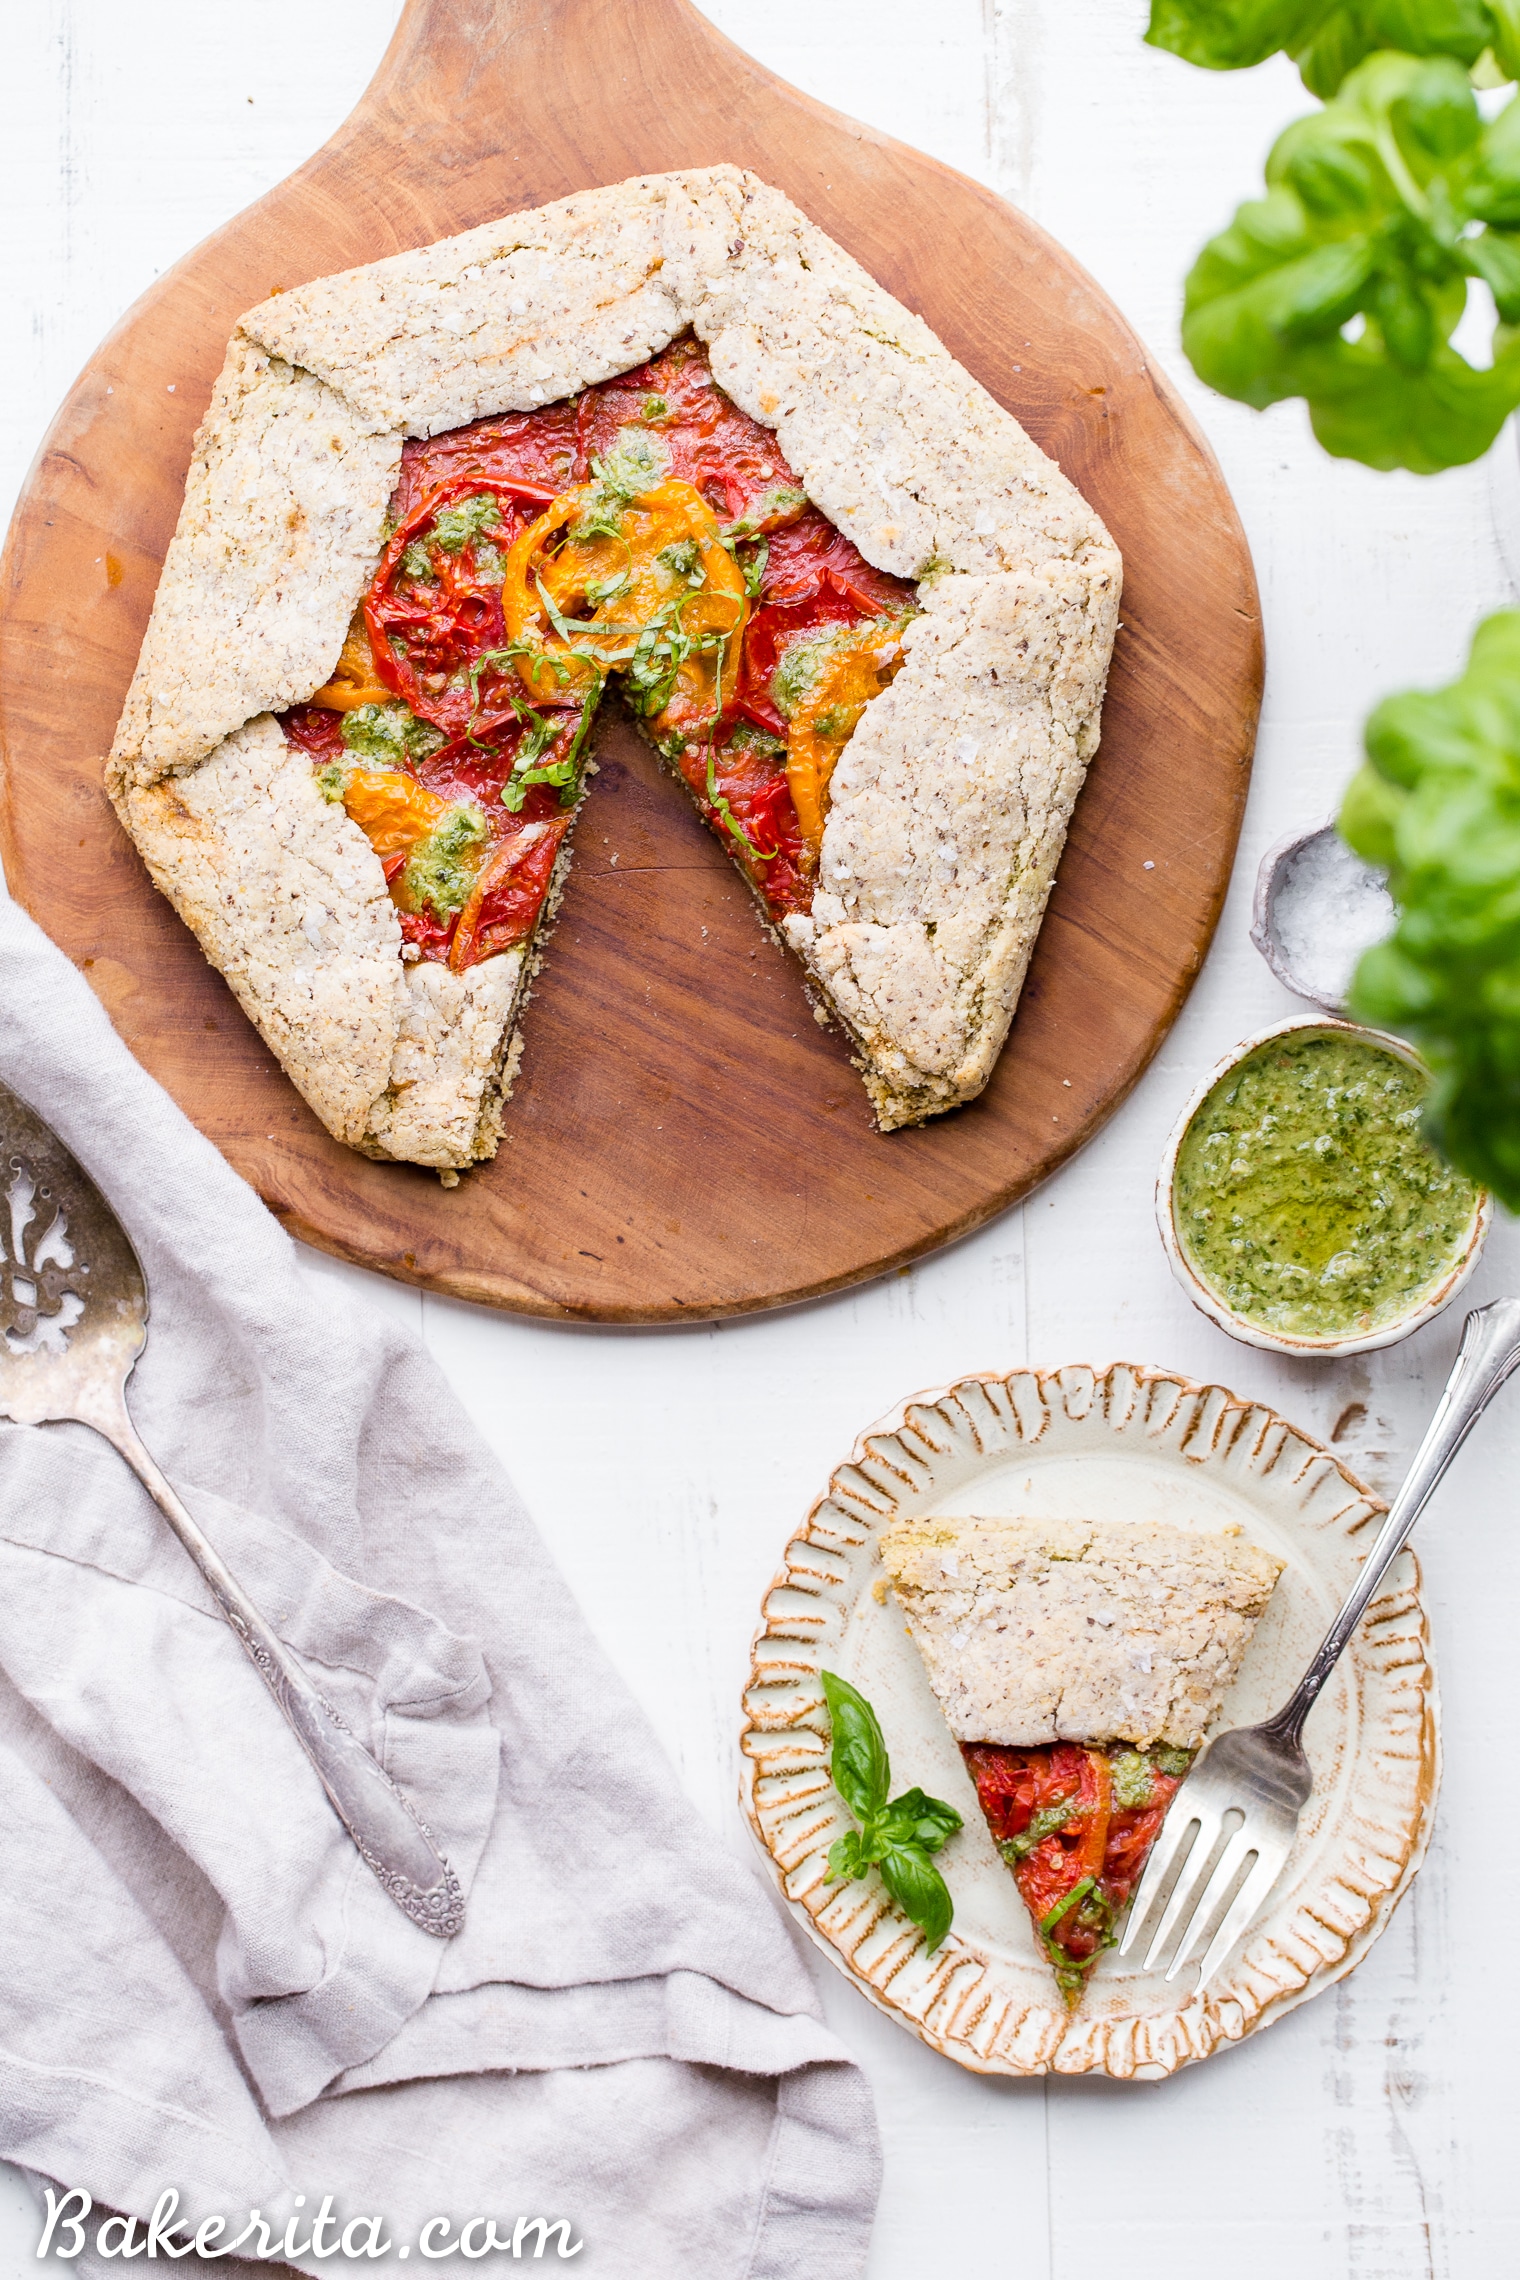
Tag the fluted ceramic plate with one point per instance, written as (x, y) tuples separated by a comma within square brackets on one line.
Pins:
[(1131, 1444)]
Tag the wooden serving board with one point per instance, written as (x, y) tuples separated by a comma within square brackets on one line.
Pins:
[(684, 1141)]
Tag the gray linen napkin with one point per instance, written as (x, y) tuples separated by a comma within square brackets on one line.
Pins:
[(201, 1986)]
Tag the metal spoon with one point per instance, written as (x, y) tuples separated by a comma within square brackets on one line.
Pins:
[(73, 1320)]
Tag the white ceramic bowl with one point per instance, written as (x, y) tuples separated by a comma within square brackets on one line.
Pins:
[(1426, 1306)]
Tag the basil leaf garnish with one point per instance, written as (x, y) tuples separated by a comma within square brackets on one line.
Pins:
[(919, 1890), (858, 1763), (896, 1838), (916, 1819)]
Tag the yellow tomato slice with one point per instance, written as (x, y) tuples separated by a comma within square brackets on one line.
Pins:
[(615, 588), (354, 680), (392, 809), (823, 724)]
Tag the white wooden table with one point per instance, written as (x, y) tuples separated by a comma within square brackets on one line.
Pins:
[(1370, 2135)]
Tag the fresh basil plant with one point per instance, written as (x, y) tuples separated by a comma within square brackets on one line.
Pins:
[(1327, 39), (1345, 283), (1438, 806)]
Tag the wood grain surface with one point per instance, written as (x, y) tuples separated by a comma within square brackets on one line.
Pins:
[(684, 1142)]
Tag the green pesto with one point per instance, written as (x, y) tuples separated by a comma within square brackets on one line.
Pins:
[(781, 499), (801, 665), (332, 780), (440, 871), (1133, 1781), (634, 465), (1046, 1823), (748, 738), (460, 525), (799, 668), (684, 557), (1305, 1196), (389, 736), (637, 462)]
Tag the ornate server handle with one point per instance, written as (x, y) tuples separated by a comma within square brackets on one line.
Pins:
[(392, 1840), (1489, 1351)]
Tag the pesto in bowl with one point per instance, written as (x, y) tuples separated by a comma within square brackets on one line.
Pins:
[(1304, 1196)]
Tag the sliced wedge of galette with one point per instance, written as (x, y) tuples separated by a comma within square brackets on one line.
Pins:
[(1078, 1664)]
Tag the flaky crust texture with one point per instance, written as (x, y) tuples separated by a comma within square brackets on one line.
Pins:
[(951, 802), (1039, 1631)]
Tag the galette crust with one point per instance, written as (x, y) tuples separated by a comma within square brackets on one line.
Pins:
[(283, 891), (283, 515), (946, 823), (285, 895), (442, 1101), (950, 804), (1039, 1631), (507, 317), (886, 432)]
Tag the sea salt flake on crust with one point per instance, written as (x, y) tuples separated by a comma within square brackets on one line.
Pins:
[(1038, 1631), (289, 901), (948, 814), (282, 521), (515, 314)]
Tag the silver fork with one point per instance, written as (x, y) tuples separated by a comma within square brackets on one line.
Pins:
[(73, 1320), (1261, 1772)]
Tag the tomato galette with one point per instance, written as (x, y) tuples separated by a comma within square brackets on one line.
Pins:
[(665, 438), (1077, 1663)]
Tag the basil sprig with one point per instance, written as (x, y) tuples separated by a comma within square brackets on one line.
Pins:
[(896, 1838), (1345, 283)]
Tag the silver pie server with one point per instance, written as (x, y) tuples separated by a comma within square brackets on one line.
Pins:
[(1229, 1829), (73, 1320)]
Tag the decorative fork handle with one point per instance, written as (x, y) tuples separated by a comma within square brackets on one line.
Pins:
[(393, 1842), (1489, 1351)]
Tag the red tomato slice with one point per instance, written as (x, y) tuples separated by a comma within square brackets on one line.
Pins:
[(733, 461), (801, 554), (428, 633), (773, 629), (537, 448), (509, 892)]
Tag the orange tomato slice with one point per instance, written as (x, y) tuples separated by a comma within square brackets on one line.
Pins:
[(354, 679), (615, 588), (392, 809), (823, 724)]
